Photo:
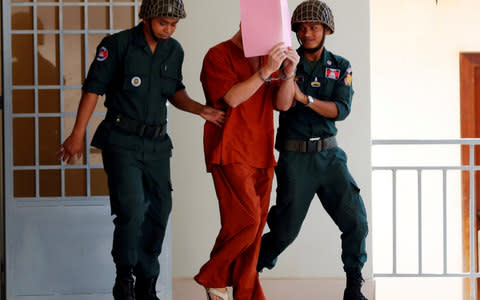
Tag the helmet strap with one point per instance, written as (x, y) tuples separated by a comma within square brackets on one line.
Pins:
[(154, 37)]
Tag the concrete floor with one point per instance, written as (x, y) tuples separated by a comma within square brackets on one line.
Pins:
[(280, 289)]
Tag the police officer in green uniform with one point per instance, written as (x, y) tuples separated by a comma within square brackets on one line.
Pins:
[(138, 70), (310, 161)]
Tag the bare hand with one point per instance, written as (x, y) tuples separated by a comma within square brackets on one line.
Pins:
[(275, 58), (291, 62), (213, 115), (73, 145)]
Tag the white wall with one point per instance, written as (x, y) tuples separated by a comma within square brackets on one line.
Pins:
[(415, 94), (195, 217), (415, 65)]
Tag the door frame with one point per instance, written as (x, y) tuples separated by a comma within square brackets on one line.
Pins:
[(10, 203), (6, 151), (470, 128), (2, 162)]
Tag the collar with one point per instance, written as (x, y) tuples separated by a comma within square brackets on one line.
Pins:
[(305, 65), (139, 37), (140, 41)]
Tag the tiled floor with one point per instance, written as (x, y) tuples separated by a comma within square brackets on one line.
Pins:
[(280, 289)]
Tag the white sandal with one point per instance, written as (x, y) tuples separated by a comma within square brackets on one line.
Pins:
[(215, 292)]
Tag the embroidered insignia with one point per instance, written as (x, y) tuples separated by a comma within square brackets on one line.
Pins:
[(102, 54), (315, 83), (136, 81), (332, 73), (348, 78)]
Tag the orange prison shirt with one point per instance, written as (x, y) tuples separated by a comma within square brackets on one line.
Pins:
[(247, 135)]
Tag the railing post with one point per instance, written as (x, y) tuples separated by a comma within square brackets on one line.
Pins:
[(419, 191), (394, 220), (444, 185), (473, 281)]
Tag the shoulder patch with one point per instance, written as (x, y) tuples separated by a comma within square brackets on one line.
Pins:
[(102, 54), (348, 78)]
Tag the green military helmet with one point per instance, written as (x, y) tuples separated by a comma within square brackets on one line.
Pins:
[(162, 8), (313, 11)]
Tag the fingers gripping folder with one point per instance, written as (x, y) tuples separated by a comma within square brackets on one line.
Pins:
[(265, 23)]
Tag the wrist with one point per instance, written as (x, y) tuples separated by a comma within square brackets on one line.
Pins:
[(304, 99), (288, 75), (78, 133), (310, 100), (265, 72), (203, 110), (301, 97)]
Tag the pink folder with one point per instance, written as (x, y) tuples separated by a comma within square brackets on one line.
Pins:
[(265, 23)]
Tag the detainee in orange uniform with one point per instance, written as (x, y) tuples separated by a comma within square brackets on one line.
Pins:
[(240, 158)]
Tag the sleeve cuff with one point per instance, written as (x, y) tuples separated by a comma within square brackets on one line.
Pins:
[(94, 88), (180, 86), (342, 111)]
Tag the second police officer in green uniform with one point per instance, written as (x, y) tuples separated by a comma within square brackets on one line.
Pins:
[(310, 161), (138, 69)]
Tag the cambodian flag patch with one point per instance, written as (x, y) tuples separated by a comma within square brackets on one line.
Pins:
[(332, 73), (102, 54)]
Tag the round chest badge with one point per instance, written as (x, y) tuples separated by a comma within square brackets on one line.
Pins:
[(136, 81)]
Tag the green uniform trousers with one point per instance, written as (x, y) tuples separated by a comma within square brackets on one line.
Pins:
[(140, 198), (299, 177)]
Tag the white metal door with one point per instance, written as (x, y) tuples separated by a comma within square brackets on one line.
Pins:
[(58, 228)]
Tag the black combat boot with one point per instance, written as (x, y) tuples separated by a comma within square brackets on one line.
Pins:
[(145, 288), (123, 288), (354, 286)]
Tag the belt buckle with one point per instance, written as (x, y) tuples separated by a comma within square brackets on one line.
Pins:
[(150, 131), (312, 144), (141, 132), (158, 130)]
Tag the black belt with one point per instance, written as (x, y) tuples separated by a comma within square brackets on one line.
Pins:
[(135, 127), (312, 145)]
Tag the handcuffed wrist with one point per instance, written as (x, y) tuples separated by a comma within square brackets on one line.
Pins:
[(266, 78), (289, 76)]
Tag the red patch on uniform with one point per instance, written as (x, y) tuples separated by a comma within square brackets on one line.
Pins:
[(332, 73), (102, 54)]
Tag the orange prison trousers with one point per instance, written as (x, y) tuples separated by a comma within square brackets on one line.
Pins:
[(244, 196)]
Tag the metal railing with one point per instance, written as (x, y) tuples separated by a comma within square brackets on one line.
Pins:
[(473, 274)]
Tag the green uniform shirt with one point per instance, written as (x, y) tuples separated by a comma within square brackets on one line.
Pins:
[(137, 84), (329, 79)]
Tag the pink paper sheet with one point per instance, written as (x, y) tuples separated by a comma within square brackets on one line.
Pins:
[(265, 23)]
